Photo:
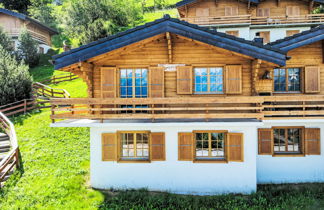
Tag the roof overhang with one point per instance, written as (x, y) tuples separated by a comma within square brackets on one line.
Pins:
[(175, 26), (299, 40)]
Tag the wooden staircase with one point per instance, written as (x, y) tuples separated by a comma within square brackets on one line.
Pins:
[(9, 151)]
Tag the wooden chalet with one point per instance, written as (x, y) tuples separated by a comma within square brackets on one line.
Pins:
[(13, 23), (181, 100)]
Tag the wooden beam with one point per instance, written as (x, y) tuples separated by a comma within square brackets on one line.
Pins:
[(256, 64), (169, 40), (311, 6), (323, 50)]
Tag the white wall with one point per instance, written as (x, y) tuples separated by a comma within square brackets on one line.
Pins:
[(244, 32), (292, 169), (276, 33), (175, 176)]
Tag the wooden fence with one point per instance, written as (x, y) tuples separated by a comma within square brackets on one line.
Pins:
[(49, 92), (12, 158), (59, 78)]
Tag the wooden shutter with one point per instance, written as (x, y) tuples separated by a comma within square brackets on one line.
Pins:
[(233, 77), (233, 33), (292, 32), (313, 141), (185, 146), (293, 11), (289, 10), (108, 82), (312, 79), (266, 36), (202, 12), (265, 141), (184, 80), (109, 146), (235, 147), (231, 11), (157, 147), (263, 12), (235, 11), (156, 82)]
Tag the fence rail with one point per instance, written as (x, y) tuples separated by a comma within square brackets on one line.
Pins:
[(249, 107), (248, 19), (12, 157), (59, 78), (47, 91)]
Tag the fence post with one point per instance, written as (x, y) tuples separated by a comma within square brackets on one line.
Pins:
[(17, 158), (52, 92), (53, 112), (70, 76), (25, 106)]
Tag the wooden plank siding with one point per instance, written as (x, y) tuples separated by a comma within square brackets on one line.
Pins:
[(184, 52)]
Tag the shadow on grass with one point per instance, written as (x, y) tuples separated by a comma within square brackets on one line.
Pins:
[(286, 196)]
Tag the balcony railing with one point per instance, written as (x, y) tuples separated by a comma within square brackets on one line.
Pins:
[(248, 19), (37, 36), (240, 107)]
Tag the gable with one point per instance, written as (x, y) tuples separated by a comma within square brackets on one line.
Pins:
[(174, 26)]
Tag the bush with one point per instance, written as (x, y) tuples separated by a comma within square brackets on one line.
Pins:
[(28, 49), (15, 81), (5, 41)]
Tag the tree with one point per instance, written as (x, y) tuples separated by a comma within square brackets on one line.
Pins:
[(90, 20), (27, 49), (5, 41), (18, 5), (43, 11), (15, 80)]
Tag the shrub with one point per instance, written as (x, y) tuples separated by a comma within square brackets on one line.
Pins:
[(28, 49), (15, 81), (5, 41)]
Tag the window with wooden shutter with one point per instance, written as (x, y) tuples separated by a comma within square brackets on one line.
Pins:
[(266, 36), (156, 82), (265, 141), (235, 147), (109, 147), (231, 11), (233, 33), (157, 146), (185, 146), (233, 77), (184, 80), (108, 82), (312, 79), (263, 12), (312, 141), (202, 12), (291, 32), (293, 11)]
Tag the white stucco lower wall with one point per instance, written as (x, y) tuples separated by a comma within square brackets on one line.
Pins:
[(184, 177), (276, 170)]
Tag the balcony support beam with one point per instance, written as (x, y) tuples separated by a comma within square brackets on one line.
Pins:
[(256, 64)]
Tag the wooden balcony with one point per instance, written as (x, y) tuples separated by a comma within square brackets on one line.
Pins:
[(14, 32), (248, 19), (232, 107)]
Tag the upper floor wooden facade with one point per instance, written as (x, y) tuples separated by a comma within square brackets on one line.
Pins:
[(233, 12), (13, 23), (174, 76)]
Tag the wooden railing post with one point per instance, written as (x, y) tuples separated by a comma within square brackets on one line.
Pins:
[(25, 106), (17, 158), (53, 112)]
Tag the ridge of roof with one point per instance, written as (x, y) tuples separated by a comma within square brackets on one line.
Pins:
[(172, 25), (292, 42), (25, 17)]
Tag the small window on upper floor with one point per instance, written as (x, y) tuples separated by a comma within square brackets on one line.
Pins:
[(263, 12), (291, 32), (202, 12), (133, 83), (287, 80), (233, 33), (292, 10), (266, 36), (231, 11), (209, 80)]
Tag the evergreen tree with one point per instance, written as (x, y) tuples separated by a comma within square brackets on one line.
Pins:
[(15, 81), (18, 5), (28, 49), (5, 41)]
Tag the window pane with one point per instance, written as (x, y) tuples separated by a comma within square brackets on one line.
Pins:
[(208, 80), (293, 79), (280, 80)]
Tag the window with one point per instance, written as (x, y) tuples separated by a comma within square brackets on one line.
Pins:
[(287, 140), (233, 33), (133, 83), (134, 145), (209, 80), (266, 36), (231, 11), (210, 145), (293, 11), (287, 80), (202, 12), (263, 12), (41, 50), (291, 32)]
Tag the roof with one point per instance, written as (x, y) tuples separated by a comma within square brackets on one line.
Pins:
[(175, 26), (185, 2), (24, 17), (298, 40)]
